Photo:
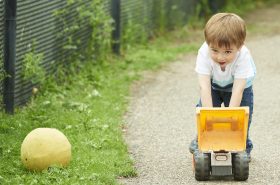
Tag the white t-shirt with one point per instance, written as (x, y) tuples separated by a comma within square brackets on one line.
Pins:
[(242, 67)]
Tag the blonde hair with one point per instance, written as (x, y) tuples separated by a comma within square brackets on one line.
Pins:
[(224, 29)]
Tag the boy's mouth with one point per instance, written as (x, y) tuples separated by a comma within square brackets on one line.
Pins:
[(222, 63)]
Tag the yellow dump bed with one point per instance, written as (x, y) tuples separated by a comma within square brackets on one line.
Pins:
[(223, 128)]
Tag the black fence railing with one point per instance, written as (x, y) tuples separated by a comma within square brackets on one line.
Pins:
[(2, 42), (32, 25)]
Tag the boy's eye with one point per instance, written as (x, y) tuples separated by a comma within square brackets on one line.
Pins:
[(214, 50)]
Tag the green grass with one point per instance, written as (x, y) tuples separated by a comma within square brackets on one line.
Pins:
[(88, 108)]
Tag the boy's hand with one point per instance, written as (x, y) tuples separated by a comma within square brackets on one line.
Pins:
[(205, 90), (237, 92)]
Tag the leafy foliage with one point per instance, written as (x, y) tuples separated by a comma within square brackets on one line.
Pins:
[(32, 68), (91, 17)]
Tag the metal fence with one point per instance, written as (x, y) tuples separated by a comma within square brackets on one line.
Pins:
[(37, 28), (2, 41)]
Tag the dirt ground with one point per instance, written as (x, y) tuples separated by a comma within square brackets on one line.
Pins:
[(161, 116)]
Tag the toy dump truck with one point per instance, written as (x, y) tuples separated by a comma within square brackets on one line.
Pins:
[(222, 135)]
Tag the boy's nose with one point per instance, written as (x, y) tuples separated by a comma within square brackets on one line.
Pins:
[(220, 56)]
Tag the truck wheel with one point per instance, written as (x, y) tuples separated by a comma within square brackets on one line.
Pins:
[(241, 166), (201, 166)]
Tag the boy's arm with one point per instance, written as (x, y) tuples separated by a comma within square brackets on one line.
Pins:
[(205, 90), (237, 92)]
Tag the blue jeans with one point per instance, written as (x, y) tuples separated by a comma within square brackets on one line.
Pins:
[(219, 97)]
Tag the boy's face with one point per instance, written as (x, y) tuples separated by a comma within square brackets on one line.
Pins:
[(222, 55)]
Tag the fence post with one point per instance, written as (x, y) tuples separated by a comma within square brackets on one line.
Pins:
[(116, 35), (10, 55), (215, 5)]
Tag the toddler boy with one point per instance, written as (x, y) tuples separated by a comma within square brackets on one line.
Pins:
[(225, 67)]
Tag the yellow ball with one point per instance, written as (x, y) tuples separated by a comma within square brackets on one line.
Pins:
[(44, 147)]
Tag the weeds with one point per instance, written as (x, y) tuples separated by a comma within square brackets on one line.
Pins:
[(88, 108)]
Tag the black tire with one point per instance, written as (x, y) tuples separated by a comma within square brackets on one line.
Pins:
[(240, 166), (201, 166)]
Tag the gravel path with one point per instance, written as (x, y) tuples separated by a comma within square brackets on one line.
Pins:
[(161, 121)]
